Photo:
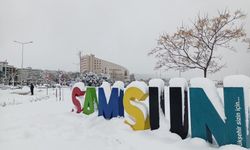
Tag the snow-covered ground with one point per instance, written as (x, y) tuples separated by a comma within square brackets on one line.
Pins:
[(21, 96), (42, 122)]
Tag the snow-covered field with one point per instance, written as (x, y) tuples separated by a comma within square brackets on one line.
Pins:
[(42, 122)]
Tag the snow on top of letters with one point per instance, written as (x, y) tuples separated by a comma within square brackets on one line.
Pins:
[(80, 85), (237, 81), (178, 82), (157, 83), (209, 88), (119, 85), (139, 84)]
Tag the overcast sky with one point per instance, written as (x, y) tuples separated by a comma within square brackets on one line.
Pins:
[(121, 31)]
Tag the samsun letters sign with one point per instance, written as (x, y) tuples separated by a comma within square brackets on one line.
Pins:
[(226, 119)]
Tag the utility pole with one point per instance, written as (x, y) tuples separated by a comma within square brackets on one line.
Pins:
[(5, 71), (22, 44)]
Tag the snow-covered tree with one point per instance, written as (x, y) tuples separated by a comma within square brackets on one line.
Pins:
[(196, 47), (93, 79)]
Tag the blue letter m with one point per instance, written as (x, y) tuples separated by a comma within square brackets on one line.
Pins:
[(114, 107)]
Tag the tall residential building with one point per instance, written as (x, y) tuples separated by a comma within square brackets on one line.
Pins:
[(90, 63)]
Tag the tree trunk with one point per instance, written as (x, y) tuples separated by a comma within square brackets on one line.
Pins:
[(205, 72)]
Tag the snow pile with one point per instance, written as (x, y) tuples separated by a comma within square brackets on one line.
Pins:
[(24, 91), (209, 88)]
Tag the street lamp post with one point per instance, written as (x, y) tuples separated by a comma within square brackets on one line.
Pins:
[(5, 71), (22, 44)]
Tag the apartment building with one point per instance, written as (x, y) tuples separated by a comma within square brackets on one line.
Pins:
[(90, 63), (7, 72)]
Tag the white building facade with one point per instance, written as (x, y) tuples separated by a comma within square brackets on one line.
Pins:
[(90, 63)]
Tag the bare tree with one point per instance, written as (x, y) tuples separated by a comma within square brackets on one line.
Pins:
[(196, 47)]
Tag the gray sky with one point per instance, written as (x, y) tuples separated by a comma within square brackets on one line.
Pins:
[(121, 31)]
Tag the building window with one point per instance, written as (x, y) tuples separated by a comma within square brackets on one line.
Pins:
[(125, 73)]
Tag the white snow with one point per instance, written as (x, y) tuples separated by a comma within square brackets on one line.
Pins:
[(107, 89), (209, 88), (24, 91), (49, 124), (20, 96), (80, 85), (178, 82), (119, 85), (139, 84), (105, 85), (157, 83), (237, 81)]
